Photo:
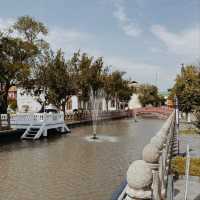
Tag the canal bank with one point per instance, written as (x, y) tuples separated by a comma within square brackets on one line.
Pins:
[(80, 119)]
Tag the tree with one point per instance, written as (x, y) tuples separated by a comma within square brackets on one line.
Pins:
[(82, 64), (30, 29), (148, 95), (59, 79), (89, 73), (118, 86), (187, 89), (125, 92), (15, 67)]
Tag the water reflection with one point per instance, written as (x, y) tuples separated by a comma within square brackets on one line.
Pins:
[(70, 167)]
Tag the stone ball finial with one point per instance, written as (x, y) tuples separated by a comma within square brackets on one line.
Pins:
[(139, 175), (157, 141), (151, 153)]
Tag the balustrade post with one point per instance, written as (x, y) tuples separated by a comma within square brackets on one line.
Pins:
[(139, 179), (151, 155)]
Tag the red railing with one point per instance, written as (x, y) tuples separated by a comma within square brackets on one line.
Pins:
[(164, 111)]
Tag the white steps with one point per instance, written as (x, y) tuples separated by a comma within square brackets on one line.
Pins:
[(34, 132)]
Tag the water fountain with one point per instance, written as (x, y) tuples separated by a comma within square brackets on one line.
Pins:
[(96, 98)]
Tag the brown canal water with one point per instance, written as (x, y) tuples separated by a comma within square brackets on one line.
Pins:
[(72, 167)]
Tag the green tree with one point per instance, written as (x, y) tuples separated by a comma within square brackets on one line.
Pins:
[(15, 67), (89, 73), (187, 89), (30, 29), (125, 92), (34, 32), (148, 95), (118, 86), (82, 64), (59, 80)]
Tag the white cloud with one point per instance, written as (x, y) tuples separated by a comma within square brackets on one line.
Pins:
[(185, 43), (67, 39), (142, 71), (129, 27), (6, 23), (71, 40)]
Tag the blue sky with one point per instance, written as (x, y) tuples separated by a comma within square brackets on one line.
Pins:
[(147, 39)]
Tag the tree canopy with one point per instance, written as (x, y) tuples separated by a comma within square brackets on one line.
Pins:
[(148, 95), (187, 88), (15, 67)]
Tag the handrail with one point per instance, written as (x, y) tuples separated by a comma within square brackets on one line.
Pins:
[(147, 178)]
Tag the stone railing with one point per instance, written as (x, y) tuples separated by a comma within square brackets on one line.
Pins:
[(147, 178)]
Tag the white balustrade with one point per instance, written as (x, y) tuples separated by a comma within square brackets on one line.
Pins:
[(4, 120), (4, 117), (36, 118)]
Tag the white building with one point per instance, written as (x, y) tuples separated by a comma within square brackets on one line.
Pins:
[(73, 103), (26, 102), (134, 102)]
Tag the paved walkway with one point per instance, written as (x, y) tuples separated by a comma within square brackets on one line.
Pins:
[(192, 140), (194, 181), (193, 188)]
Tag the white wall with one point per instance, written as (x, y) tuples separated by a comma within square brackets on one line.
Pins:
[(74, 100), (134, 102), (75, 103), (24, 100)]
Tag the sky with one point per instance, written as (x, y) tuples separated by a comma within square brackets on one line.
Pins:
[(148, 39)]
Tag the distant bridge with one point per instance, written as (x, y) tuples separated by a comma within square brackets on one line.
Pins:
[(157, 112)]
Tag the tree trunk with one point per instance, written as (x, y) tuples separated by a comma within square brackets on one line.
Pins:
[(63, 107), (5, 99)]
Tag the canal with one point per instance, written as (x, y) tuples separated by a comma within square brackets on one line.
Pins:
[(72, 167)]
